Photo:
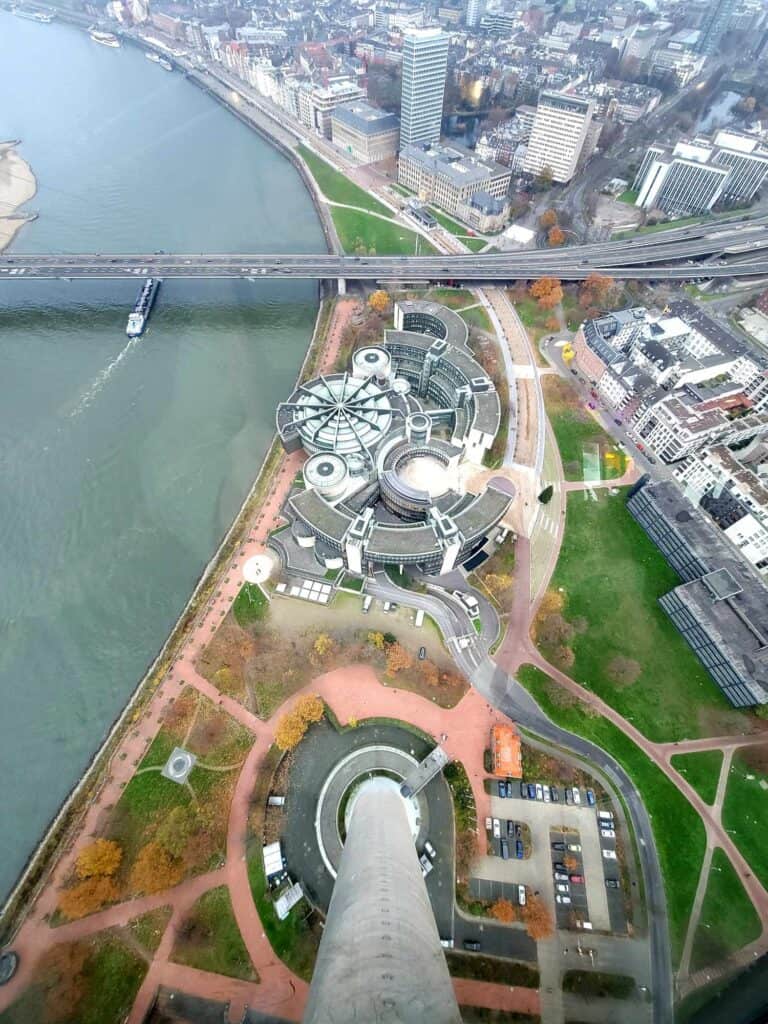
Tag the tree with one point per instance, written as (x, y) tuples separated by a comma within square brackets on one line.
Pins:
[(429, 673), (99, 858), (547, 291), (293, 725), (596, 290), (175, 830), (376, 639), (544, 178), (498, 582), (504, 910), (323, 645), (379, 301), (537, 919), (155, 869), (548, 219), (552, 323), (546, 495), (555, 237), (571, 863), (397, 659), (87, 897)]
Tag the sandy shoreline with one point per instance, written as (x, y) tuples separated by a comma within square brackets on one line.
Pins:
[(17, 186)]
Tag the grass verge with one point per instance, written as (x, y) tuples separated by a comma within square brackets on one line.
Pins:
[(250, 604), (210, 940), (728, 919), (337, 187), (487, 968), (745, 809), (702, 770), (363, 234)]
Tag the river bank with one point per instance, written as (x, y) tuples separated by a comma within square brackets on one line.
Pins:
[(17, 186)]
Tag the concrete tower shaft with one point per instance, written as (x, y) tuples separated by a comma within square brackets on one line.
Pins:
[(380, 957)]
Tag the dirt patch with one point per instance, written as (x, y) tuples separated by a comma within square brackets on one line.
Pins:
[(723, 721), (755, 757)]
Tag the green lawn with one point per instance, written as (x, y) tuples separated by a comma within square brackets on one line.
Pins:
[(148, 929), (728, 920), (628, 196), (453, 298), (478, 317), (110, 978), (611, 577), (250, 605), (461, 231), (745, 812), (210, 940), (378, 237), (574, 428), (678, 830), (702, 770), (337, 187)]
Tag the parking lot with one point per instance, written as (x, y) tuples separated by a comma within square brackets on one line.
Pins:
[(591, 901)]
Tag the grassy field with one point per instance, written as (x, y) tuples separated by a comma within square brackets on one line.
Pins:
[(477, 317), (250, 604), (90, 982), (609, 576), (453, 298), (745, 810), (210, 940), (454, 227), (628, 196), (728, 920), (677, 828), (338, 188), (702, 770), (574, 428), (148, 929), (378, 237)]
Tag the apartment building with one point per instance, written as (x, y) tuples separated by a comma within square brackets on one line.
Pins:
[(318, 102), (560, 130)]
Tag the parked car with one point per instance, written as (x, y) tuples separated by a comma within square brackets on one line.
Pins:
[(640, 447), (488, 824), (558, 866), (562, 887), (429, 849), (576, 796), (426, 864), (523, 791), (547, 795), (502, 788), (591, 797), (605, 815), (472, 945), (560, 877), (539, 791), (577, 879), (612, 883), (651, 459), (609, 854), (558, 846), (608, 833), (563, 899), (574, 847), (569, 795), (510, 829), (519, 849), (573, 371), (531, 791), (496, 828), (422, 653), (521, 895), (555, 794), (504, 849), (618, 423), (591, 405)]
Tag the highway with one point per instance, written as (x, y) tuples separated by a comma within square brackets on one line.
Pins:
[(731, 247)]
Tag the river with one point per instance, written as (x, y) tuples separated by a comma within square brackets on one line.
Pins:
[(122, 464)]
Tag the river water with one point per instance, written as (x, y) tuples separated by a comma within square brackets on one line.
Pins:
[(122, 464)]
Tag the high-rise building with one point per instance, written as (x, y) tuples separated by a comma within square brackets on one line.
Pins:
[(473, 12), (380, 956), (715, 25), (560, 129), (425, 62)]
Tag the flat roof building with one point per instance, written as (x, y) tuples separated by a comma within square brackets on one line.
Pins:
[(560, 131), (506, 754), (425, 65), (366, 133), (450, 176)]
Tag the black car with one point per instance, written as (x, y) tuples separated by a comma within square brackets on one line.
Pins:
[(558, 846), (618, 423), (518, 830), (422, 653), (523, 791), (502, 788), (573, 372), (531, 791), (472, 944), (554, 794), (612, 883), (510, 829), (560, 867)]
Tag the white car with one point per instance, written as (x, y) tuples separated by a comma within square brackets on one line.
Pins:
[(429, 849), (562, 888), (539, 791), (609, 854), (563, 899), (576, 796), (496, 828), (547, 795), (607, 833), (560, 877), (605, 815), (426, 864), (521, 895), (488, 824), (575, 847)]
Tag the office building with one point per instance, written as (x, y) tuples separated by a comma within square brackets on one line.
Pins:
[(473, 12), (721, 607), (366, 133), (559, 134), (317, 102), (695, 175), (677, 59), (425, 64), (380, 956), (450, 176), (715, 25)]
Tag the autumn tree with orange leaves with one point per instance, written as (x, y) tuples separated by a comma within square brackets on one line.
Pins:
[(555, 237), (294, 724), (548, 219), (537, 919), (87, 897), (547, 291), (379, 301), (101, 857), (155, 869), (596, 290), (397, 659), (504, 910)]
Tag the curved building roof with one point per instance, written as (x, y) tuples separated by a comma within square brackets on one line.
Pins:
[(337, 413)]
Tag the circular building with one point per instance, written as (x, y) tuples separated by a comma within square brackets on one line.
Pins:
[(371, 362), (337, 413), (328, 473)]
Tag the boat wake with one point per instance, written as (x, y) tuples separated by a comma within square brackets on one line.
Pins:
[(100, 380)]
